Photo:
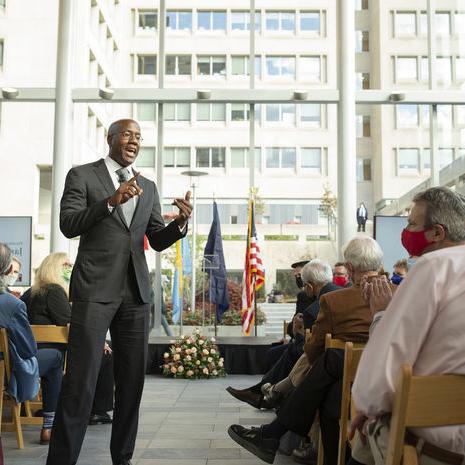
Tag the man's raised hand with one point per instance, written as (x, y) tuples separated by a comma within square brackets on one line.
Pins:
[(127, 190), (185, 209)]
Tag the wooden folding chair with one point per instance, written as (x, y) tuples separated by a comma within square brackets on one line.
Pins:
[(285, 323), (308, 334), (14, 425), (423, 402), (331, 343), (351, 360), (51, 334)]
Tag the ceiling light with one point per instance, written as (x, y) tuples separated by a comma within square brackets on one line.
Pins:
[(396, 97), (10, 92), (204, 94), (106, 93), (300, 95)]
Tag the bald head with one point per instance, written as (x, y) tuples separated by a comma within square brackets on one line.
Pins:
[(124, 140)]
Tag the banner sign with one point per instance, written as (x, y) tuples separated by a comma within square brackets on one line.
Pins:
[(16, 232)]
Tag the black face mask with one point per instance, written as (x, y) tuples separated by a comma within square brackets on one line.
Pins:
[(299, 283)]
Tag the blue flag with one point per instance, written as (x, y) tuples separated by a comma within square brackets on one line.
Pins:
[(214, 256)]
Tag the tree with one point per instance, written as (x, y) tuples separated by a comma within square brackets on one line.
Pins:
[(328, 206)]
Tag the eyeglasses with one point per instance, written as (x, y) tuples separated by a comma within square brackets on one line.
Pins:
[(129, 135)]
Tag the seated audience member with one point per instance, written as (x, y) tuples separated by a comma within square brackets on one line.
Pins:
[(347, 316), (49, 305), (13, 276), (422, 325), (313, 271), (24, 379), (400, 271), (341, 275)]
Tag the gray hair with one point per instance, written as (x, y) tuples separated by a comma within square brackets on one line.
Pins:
[(444, 207), (364, 253), (317, 271), (5, 262)]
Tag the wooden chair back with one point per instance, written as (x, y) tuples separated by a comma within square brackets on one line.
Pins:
[(14, 425), (421, 402), (43, 334), (285, 323), (352, 358), (308, 334)]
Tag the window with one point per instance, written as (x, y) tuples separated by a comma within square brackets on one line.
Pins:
[(178, 65), (405, 24), (310, 22), (407, 116), (211, 20), (310, 114), (361, 4), (363, 125), (211, 65), (147, 64), (311, 159), (177, 111), (445, 116), (240, 20), (426, 159), (423, 23), (310, 69), (179, 20), (362, 81), (280, 21), (280, 157), (280, 66), (363, 169), (362, 41), (444, 69), (210, 157), (240, 157), (424, 70), (211, 111), (177, 157), (146, 111), (446, 157), (459, 23), (281, 112), (408, 159), (240, 112), (148, 19), (460, 69), (146, 157), (240, 65), (406, 69), (442, 23), (460, 120)]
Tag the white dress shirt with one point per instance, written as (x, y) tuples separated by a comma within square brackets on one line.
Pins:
[(112, 167), (424, 326)]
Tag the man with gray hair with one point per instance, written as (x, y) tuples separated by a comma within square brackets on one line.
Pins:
[(422, 325), (346, 315)]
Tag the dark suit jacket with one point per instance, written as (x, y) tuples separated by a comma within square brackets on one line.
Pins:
[(310, 314), (107, 244), (359, 214), (345, 315)]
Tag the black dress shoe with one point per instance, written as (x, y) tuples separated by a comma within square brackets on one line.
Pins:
[(252, 398), (252, 439), (100, 419), (305, 454)]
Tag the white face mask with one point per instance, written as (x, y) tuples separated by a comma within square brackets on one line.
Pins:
[(11, 279)]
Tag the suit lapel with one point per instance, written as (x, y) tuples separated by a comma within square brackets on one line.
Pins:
[(142, 199), (104, 177)]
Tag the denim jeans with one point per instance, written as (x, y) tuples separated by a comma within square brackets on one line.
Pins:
[(51, 374)]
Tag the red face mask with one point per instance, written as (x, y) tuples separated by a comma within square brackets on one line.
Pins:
[(340, 280), (414, 242)]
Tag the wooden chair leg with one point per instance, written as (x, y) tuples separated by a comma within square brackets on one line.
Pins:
[(320, 451), (16, 411)]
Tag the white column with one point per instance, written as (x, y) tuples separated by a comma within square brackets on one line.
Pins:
[(62, 146), (251, 157), (194, 242), (346, 159), (433, 109), (157, 329)]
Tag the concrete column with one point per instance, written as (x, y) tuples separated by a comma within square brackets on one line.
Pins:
[(346, 159), (251, 157), (157, 329), (62, 145)]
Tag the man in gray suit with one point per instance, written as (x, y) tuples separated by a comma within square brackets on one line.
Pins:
[(111, 207)]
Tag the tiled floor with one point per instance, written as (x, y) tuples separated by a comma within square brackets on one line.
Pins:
[(181, 423)]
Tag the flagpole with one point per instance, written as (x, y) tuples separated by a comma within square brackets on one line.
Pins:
[(255, 308), (216, 321)]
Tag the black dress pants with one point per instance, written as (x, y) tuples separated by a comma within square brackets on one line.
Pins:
[(320, 391), (104, 390), (128, 320)]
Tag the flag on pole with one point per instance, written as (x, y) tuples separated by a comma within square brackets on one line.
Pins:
[(254, 274), (182, 267), (218, 287)]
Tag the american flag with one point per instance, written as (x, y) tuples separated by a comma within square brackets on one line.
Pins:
[(254, 274)]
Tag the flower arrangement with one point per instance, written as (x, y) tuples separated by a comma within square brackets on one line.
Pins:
[(193, 357)]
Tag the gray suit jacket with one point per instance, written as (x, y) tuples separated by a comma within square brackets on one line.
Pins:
[(106, 243)]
